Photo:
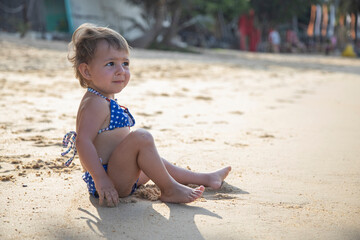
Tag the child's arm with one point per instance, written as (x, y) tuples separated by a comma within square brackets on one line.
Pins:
[(90, 118)]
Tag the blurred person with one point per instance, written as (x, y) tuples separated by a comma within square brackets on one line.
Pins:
[(248, 33), (115, 159), (340, 33), (243, 32), (330, 45), (293, 43), (275, 40)]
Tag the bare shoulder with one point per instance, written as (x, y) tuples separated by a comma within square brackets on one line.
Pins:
[(92, 112), (93, 103)]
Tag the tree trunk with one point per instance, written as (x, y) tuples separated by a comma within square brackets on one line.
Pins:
[(174, 26), (151, 34)]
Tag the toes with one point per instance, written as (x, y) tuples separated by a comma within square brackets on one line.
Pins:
[(199, 189), (197, 192)]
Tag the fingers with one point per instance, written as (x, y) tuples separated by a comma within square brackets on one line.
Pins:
[(116, 198), (109, 199), (107, 192), (112, 198), (101, 198)]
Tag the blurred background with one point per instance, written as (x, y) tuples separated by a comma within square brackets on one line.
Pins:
[(297, 26)]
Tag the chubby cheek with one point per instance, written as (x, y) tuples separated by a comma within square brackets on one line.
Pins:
[(127, 75)]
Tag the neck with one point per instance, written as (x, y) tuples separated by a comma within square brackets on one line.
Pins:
[(110, 96)]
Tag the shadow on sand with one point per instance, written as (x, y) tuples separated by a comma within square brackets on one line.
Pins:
[(140, 219)]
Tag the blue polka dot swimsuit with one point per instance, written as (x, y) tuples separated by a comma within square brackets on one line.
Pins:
[(119, 117)]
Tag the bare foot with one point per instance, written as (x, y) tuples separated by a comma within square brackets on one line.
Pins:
[(181, 194), (217, 177)]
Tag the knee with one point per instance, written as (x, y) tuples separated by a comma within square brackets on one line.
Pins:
[(143, 137)]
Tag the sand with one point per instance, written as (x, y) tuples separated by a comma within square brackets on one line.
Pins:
[(289, 125)]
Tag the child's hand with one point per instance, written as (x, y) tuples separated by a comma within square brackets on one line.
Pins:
[(106, 190)]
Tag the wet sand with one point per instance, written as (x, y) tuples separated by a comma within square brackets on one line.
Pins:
[(287, 124)]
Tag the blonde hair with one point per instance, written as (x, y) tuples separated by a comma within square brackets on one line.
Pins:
[(83, 45)]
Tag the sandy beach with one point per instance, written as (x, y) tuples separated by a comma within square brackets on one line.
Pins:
[(289, 125)]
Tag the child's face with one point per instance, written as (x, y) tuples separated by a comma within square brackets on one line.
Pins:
[(109, 70)]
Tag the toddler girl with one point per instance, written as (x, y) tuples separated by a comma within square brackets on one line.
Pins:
[(116, 159)]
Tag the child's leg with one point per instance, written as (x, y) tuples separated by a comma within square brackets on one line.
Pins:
[(138, 152), (184, 176)]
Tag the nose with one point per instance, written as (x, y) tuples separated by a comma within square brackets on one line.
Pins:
[(120, 69)]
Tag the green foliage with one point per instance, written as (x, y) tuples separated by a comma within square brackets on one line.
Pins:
[(349, 6), (280, 11), (230, 8)]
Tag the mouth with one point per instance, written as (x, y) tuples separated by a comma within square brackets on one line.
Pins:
[(119, 81)]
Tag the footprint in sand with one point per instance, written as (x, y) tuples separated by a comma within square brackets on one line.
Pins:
[(237, 145), (149, 114), (221, 196), (303, 91), (201, 123), (164, 95), (41, 141), (12, 158), (154, 94), (147, 127), (45, 121), (45, 112), (185, 90), (204, 98), (203, 140), (47, 129), (226, 192), (285, 101), (10, 166), (26, 130), (227, 188), (6, 178), (266, 136), (5, 125), (66, 116), (236, 112), (34, 165)]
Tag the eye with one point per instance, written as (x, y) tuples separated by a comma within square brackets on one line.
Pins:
[(110, 64), (126, 64)]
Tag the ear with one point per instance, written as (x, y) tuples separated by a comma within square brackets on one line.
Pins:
[(84, 70)]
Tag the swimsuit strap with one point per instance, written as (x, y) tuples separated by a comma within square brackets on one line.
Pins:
[(97, 93), (107, 99), (70, 137)]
